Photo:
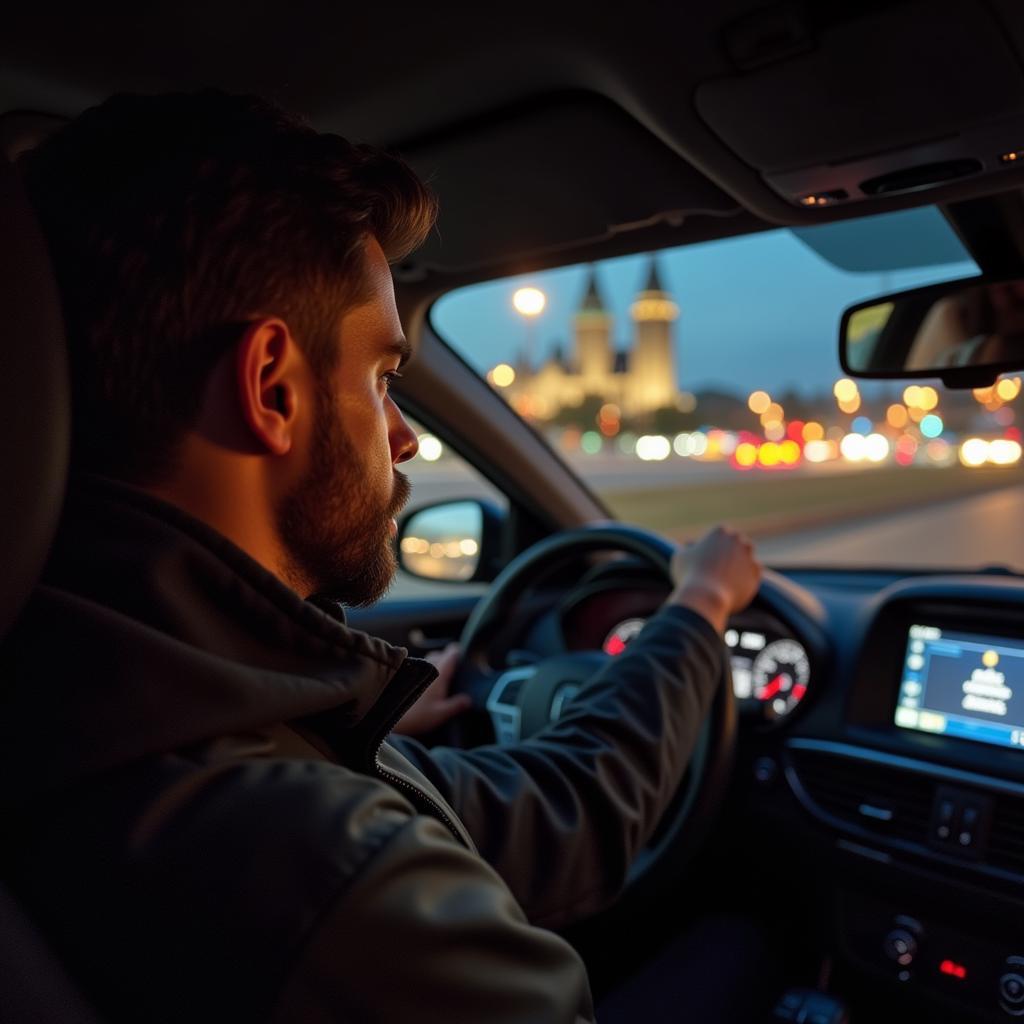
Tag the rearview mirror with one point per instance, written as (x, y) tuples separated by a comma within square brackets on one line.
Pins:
[(965, 332)]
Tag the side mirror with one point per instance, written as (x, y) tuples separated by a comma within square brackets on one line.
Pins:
[(964, 332), (452, 541)]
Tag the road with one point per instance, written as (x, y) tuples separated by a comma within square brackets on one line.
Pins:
[(984, 529), (981, 529)]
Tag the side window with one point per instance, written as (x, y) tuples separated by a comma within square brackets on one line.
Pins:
[(438, 474)]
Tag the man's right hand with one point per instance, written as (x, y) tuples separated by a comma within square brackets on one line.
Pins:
[(715, 576)]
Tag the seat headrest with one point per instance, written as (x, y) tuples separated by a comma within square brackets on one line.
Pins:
[(35, 399)]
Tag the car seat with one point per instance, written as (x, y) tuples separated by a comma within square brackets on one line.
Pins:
[(34, 443)]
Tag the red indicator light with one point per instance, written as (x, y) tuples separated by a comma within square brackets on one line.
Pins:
[(953, 969), (615, 645)]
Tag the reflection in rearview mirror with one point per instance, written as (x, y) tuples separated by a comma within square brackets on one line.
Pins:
[(442, 542), (964, 331)]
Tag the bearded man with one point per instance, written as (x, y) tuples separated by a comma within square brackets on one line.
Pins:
[(215, 824)]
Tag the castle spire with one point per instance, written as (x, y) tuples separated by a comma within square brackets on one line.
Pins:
[(592, 301), (653, 279)]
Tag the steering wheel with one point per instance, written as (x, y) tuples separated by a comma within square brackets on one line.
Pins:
[(522, 699)]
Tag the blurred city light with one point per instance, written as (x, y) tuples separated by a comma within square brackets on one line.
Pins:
[(653, 448), (745, 454), (789, 453), (590, 442), (896, 416), (912, 396), (1008, 388), (529, 301), (974, 451), (813, 431), (845, 390), (502, 375), (931, 425), (861, 425), (758, 402), (431, 448), (1003, 452), (820, 451), (876, 448), (853, 447)]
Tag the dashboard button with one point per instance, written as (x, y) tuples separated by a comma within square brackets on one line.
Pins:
[(1011, 988), (900, 946)]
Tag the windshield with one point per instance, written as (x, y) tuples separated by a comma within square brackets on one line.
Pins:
[(702, 384)]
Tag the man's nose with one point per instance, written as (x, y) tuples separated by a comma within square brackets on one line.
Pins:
[(402, 438)]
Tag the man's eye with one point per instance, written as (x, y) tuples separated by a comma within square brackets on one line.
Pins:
[(390, 377)]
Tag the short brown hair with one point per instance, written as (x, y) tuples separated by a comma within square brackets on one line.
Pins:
[(174, 219)]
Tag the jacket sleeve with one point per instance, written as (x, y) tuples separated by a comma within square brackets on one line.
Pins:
[(427, 932), (584, 795)]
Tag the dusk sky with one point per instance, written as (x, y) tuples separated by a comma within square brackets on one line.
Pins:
[(761, 311)]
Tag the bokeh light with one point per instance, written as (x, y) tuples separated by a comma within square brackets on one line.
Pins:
[(758, 402), (431, 448), (529, 301)]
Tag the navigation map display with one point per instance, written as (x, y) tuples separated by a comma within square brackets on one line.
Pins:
[(963, 684)]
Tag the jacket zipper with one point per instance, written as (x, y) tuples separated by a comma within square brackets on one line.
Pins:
[(396, 780), (423, 797)]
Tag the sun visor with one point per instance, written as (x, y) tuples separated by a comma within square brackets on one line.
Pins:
[(567, 170), (878, 106), (920, 237)]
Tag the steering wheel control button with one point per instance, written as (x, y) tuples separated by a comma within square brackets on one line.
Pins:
[(503, 704)]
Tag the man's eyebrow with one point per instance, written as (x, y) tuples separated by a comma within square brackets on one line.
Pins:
[(400, 347)]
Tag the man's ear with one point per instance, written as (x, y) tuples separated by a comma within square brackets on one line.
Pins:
[(267, 366)]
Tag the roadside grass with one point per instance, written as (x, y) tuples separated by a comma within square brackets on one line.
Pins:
[(763, 504)]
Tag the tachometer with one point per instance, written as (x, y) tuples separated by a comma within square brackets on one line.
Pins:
[(780, 674)]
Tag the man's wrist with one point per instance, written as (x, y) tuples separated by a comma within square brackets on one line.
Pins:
[(709, 600)]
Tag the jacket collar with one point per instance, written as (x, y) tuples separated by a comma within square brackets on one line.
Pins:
[(151, 632)]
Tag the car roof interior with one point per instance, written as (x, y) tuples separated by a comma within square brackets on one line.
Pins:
[(586, 133)]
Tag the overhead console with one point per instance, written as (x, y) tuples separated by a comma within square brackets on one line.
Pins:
[(930, 124)]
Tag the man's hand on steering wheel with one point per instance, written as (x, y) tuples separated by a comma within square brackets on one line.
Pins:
[(716, 576), (435, 706)]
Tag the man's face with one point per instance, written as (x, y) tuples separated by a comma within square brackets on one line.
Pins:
[(337, 523)]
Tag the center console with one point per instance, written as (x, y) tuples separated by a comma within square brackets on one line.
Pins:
[(923, 791)]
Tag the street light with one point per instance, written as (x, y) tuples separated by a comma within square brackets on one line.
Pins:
[(529, 302)]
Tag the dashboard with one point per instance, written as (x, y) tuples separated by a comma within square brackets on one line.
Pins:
[(882, 747), (771, 665)]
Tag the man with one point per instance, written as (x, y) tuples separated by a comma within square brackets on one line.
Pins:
[(214, 826)]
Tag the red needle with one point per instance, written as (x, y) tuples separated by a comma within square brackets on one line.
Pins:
[(771, 688)]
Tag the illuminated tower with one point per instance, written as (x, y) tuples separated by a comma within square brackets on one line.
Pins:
[(593, 329), (651, 364)]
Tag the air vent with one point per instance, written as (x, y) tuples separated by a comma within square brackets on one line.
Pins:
[(877, 798), (1006, 835)]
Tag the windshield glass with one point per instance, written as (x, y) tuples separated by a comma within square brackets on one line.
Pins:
[(702, 384)]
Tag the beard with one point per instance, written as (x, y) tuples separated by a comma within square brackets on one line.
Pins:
[(335, 528)]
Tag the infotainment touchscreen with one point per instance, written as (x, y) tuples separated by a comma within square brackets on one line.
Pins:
[(963, 684)]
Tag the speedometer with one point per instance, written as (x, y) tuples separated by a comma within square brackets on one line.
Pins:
[(780, 674), (619, 638)]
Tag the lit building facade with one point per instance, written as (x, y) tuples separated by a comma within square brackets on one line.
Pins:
[(638, 381)]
